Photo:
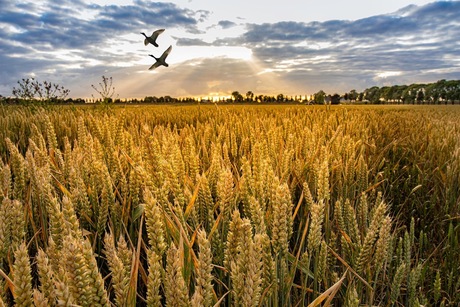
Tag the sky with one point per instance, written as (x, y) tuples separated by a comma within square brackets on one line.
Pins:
[(293, 47)]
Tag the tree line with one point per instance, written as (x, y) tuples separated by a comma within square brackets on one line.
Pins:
[(31, 91), (440, 92)]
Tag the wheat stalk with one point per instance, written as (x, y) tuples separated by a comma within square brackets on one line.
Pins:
[(176, 292), (120, 275), (154, 280), (22, 277), (46, 277), (203, 286)]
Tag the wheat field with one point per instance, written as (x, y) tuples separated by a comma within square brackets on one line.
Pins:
[(230, 206)]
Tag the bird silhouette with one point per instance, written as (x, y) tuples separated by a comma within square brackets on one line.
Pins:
[(153, 38), (161, 60)]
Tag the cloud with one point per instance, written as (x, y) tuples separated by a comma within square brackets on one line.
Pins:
[(191, 42), (74, 43), (225, 24), (144, 13), (38, 37), (66, 27), (415, 40)]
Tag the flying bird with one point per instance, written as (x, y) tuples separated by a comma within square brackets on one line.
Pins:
[(161, 60), (153, 38)]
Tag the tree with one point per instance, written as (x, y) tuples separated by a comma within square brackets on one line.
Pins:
[(335, 99), (420, 96), (410, 94), (237, 96), (249, 96), (387, 92), (319, 97), (398, 93), (372, 94), (33, 90), (106, 90), (353, 95), (27, 89)]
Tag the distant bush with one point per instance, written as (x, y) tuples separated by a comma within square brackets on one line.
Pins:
[(106, 90), (32, 91)]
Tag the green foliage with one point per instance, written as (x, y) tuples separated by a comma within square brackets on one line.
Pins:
[(440, 92), (320, 97)]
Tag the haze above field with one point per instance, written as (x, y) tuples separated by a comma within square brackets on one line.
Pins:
[(265, 47)]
